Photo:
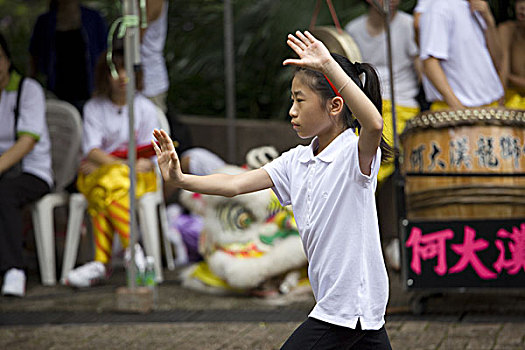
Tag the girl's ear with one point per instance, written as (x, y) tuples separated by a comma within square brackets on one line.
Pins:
[(336, 106)]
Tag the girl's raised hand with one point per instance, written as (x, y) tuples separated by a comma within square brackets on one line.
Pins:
[(312, 53), (167, 158)]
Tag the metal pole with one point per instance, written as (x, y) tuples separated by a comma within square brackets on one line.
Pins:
[(396, 177), (229, 72), (386, 9), (131, 62)]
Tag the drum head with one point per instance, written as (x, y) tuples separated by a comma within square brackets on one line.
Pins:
[(340, 43)]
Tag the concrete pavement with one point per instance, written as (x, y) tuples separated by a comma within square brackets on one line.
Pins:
[(62, 318)]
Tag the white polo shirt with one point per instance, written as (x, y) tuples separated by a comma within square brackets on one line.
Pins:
[(334, 207), (455, 36), (31, 121), (106, 124)]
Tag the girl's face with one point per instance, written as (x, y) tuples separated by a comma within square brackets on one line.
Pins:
[(309, 114), (4, 69), (118, 86)]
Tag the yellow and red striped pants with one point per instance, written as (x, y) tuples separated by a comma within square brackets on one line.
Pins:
[(107, 193)]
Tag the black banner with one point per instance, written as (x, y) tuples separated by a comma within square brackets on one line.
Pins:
[(464, 254)]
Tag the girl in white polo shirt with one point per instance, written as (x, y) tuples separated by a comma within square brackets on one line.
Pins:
[(104, 174), (330, 185)]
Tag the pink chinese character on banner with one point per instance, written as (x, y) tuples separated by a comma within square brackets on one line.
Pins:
[(468, 250), (516, 248), (427, 247)]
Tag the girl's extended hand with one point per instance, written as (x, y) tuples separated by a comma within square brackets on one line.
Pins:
[(312, 52), (169, 163)]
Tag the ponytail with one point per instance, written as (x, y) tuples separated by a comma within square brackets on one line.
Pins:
[(372, 89)]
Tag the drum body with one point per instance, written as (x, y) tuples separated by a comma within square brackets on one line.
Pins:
[(465, 164)]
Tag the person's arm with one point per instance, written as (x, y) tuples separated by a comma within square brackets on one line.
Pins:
[(99, 157), (437, 77), (13, 155), (418, 67), (153, 12), (505, 35), (417, 18), (215, 184), (314, 55), (491, 31), (517, 82)]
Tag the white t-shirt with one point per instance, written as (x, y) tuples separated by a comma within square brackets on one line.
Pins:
[(152, 54), (452, 34), (404, 52), (421, 6), (106, 124), (334, 207), (31, 121)]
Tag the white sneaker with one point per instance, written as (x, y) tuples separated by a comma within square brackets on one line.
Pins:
[(87, 275), (14, 283)]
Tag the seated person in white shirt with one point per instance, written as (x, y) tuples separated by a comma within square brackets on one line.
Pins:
[(460, 53), (25, 164), (104, 174)]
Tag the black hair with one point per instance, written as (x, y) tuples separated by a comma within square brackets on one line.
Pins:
[(372, 89)]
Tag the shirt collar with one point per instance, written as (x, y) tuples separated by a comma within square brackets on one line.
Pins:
[(330, 152)]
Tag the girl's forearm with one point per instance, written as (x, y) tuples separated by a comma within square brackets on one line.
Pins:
[(226, 185), (360, 105), (215, 184)]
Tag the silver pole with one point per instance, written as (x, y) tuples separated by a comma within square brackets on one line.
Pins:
[(131, 62), (229, 72), (386, 9)]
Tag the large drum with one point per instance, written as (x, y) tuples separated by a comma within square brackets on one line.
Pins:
[(465, 164), (338, 42)]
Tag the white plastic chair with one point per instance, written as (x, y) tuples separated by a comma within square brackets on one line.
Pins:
[(150, 208), (65, 132)]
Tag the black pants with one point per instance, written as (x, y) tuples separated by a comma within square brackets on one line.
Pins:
[(315, 334), (14, 194)]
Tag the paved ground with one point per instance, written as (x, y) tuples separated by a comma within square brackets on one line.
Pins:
[(62, 318)]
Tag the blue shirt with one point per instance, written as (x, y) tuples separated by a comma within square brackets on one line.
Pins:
[(42, 45)]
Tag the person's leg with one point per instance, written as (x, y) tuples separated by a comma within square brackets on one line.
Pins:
[(95, 271), (103, 235), (14, 194), (315, 334), (119, 217), (373, 340)]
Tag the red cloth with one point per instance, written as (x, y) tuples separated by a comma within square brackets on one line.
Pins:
[(144, 151)]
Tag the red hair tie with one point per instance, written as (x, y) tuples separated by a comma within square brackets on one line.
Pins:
[(333, 87)]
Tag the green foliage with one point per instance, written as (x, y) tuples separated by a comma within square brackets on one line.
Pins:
[(17, 18), (194, 47)]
